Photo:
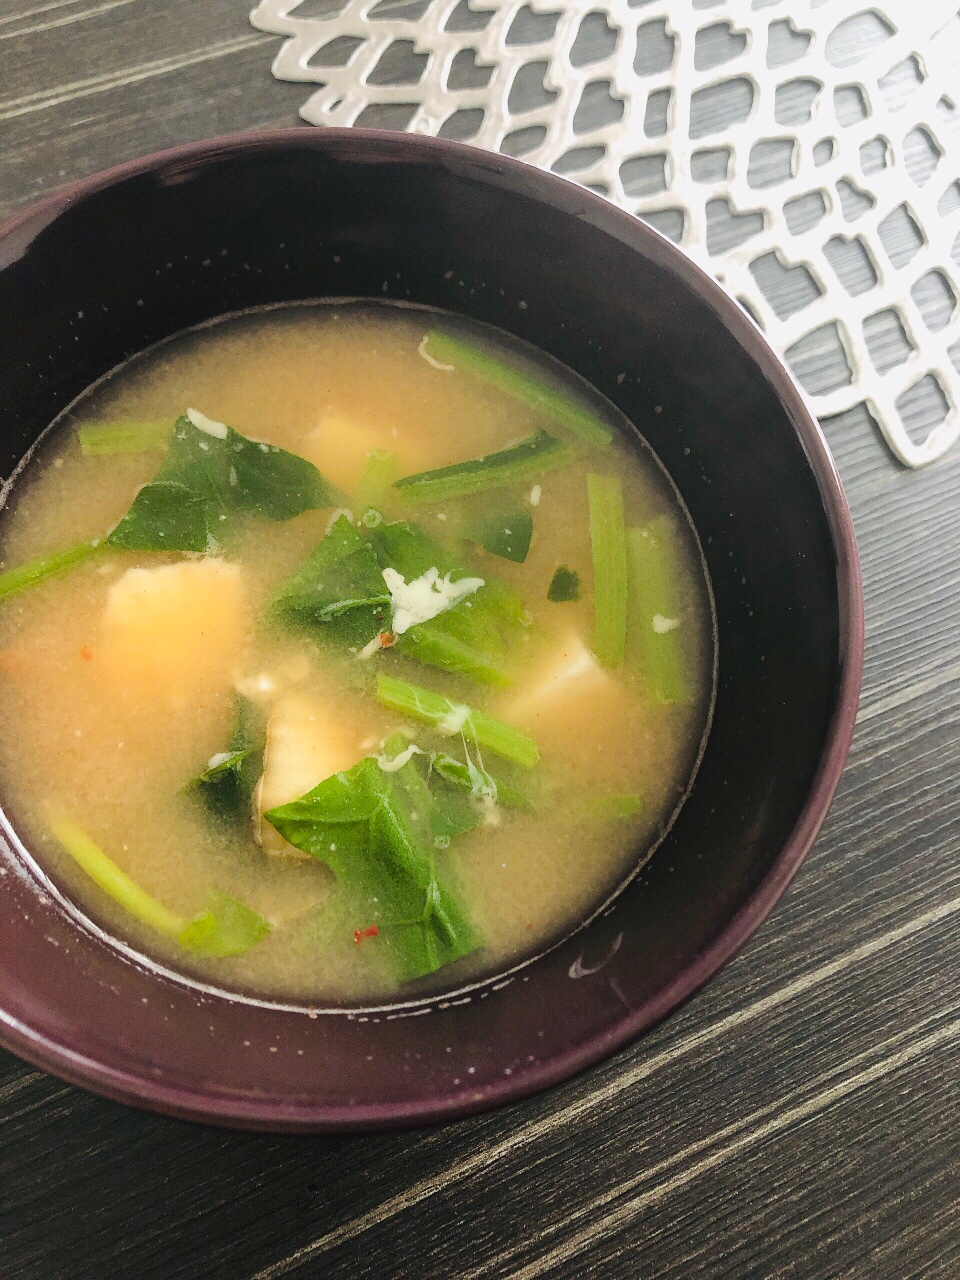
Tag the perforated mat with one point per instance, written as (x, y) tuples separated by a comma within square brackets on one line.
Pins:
[(806, 153)]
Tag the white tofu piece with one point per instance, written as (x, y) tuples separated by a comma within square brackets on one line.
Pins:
[(308, 739), (339, 445), (563, 698), (172, 636)]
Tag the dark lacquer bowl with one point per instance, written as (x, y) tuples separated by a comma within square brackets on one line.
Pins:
[(113, 264)]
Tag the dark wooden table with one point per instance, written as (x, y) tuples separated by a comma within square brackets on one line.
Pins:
[(799, 1118)]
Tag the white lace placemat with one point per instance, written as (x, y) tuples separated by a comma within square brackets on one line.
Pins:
[(806, 152)]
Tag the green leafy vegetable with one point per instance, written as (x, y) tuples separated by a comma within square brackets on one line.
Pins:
[(206, 480), (608, 542), (486, 368), (476, 637), (166, 515), (435, 644), (464, 775), (225, 788), (449, 812), (339, 589), (410, 550), (379, 831), (564, 586), (452, 717), (378, 476), (226, 928), (531, 457), (105, 439), (340, 593), (218, 782), (656, 613), (505, 534), (37, 571), (105, 872), (619, 806)]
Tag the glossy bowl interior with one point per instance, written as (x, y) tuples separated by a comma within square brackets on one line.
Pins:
[(123, 260)]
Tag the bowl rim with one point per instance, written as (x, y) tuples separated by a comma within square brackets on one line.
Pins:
[(274, 1114)]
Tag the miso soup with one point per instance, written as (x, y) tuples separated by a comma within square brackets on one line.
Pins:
[(347, 652)]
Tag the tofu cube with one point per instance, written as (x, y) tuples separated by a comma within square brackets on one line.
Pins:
[(339, 446), (172, 636), (563, 699), (308, 740)]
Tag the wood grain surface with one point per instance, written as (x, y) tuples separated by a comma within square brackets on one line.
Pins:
[(799, 1118)]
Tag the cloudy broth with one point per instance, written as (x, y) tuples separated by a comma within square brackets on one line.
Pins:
[(156, 703)]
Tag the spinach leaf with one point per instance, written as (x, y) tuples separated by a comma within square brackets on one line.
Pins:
[(338, 589), (165, 515), (379, 832), (410, 550), (477, 636), (461, 775), (206, 480), (426, 926), (527, 460), (506, 534), (218, 785), (564, 586), (226, 786), (273, 483), (339, 593), (443, 807), (227, 928)]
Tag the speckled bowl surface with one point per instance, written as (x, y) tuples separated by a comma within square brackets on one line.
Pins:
[(113, 264)]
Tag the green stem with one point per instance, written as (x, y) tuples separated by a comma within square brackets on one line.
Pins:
[(605, 494), (524, 461), (619, 807), (104, 439), (486, 368), (227, 928), (105, 872), (655, 611), (452, 717), (37, 571), (435, 647), (458, 773), (378, 476)]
